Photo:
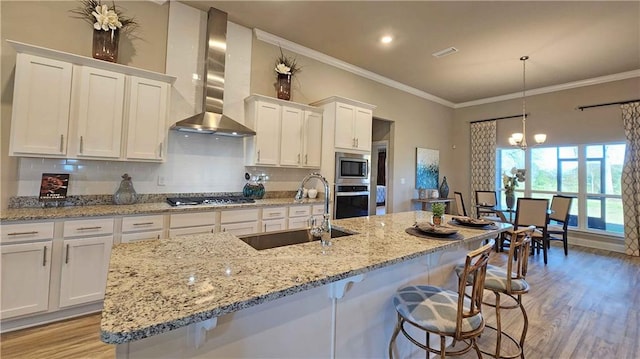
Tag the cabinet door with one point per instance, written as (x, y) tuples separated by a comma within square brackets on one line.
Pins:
[(100, 109), (345, 115), (240, 228), (270, 225), (298, 222), (85, 264), (362, 129), (312, 140), (291, 140), (25, 278), (147, 119), (40, 112), (268, 134)]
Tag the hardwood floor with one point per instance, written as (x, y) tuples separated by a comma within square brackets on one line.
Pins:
[(581, 306)]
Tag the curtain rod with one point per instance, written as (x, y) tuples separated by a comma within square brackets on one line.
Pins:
[(499, 118), (581, 108)]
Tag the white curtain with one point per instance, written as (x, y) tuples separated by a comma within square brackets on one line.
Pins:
[(631, 178), (483, 159)]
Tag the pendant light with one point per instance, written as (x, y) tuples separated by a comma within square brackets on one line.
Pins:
[(519, 139)]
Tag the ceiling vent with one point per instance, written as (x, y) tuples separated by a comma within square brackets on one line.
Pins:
[(445, 52)]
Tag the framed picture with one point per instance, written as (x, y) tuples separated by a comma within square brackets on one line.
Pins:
[(53, 186), (427, 168)]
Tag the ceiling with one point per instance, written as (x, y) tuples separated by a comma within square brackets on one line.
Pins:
[(566, 41)]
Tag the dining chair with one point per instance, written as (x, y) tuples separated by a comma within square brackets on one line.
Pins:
[(443, 312), (509, 281), (460, 208), (560, 207), (484, 201), (531, 212)]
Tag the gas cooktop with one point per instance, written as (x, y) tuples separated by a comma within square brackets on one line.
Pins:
[(186, 201)]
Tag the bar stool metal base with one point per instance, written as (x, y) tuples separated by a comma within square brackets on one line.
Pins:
[(519, 344)]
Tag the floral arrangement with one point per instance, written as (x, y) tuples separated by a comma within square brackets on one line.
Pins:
[(103, 17), (286, 65), (511, 182)]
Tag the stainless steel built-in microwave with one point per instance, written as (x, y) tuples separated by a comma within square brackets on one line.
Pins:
[(352, 168)]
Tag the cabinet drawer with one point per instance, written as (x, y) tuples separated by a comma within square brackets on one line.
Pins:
[(298, 222), (140, 236), (192, 219), (88, 227), (142, 223), (299, 211), (240, 215), (274, 212), (190, 230), (22, 232), (317, 209)]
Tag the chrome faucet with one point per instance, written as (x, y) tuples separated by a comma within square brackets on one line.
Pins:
[(323, 231)]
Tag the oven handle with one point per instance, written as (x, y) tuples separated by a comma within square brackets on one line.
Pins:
[(345, 194)]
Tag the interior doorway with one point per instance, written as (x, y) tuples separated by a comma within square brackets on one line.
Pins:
[(379, 201)]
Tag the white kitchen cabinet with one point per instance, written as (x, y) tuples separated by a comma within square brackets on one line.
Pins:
[(264, 147), (138, 228), (40, 111), (84, 270), (147, 117), (26, 270), (100, 95), (312, 139), (293, 133), (86, 249), (349, 122), (299, 216), (239, 221), (274, 219), (291, 136), (70, 106), (191, 223)]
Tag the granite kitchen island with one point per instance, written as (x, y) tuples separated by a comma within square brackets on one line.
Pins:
[(215, 296)]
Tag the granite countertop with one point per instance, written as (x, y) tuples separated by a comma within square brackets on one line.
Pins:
[(26, 214), (156, 286)]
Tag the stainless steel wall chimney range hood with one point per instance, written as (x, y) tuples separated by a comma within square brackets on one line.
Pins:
[(212, 120)]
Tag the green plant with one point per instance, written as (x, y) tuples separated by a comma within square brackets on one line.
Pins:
[(437, 209)]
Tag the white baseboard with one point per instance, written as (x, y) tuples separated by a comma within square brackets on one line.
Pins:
[(604, 244), (9, 325)]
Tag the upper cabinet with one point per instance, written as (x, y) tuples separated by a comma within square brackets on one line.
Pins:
[(288, 134), (349, 122), (72, 106)]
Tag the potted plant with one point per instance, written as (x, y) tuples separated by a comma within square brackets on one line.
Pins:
[(437, 209)]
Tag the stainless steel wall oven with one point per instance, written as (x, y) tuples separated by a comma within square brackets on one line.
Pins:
[(351, 195)]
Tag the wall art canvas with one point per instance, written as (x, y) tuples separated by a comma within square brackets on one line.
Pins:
[(427, 168)]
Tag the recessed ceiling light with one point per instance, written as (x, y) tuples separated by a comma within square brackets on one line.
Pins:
[(445, 52), (386, 39)]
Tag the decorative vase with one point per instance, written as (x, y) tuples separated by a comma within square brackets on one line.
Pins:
[(253, 190), (125, 193), (283, 87), (444, 188), (422, 193), (105, 45), (437, 220), (510, 198)]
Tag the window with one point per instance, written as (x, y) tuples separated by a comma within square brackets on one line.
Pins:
[(591, 173)]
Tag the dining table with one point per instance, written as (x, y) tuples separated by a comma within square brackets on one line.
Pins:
[(503, 211)]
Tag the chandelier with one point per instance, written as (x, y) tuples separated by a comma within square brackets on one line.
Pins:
[(519, 139)]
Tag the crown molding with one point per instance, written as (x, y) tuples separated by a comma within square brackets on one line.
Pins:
[(316, 55)]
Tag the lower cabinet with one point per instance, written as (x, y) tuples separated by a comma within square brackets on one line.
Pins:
[(26, 269), (84, 270), (274, 219), (240, 221), (183, 224), (138, 228), (299, 216)]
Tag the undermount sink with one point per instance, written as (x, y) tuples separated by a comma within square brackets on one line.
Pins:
[(286, 238)]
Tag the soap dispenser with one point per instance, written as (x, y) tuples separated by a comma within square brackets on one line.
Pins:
[(125, 193)]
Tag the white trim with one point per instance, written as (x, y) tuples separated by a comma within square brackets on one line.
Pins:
[(554, 88), (316, 55), (598, 244), (332, 61)]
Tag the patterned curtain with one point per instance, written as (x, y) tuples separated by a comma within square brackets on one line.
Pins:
[(631, 178), (483, 158)]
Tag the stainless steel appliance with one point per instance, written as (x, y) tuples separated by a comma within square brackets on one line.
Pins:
[(352, 168), (191, 201), (351, 197)]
